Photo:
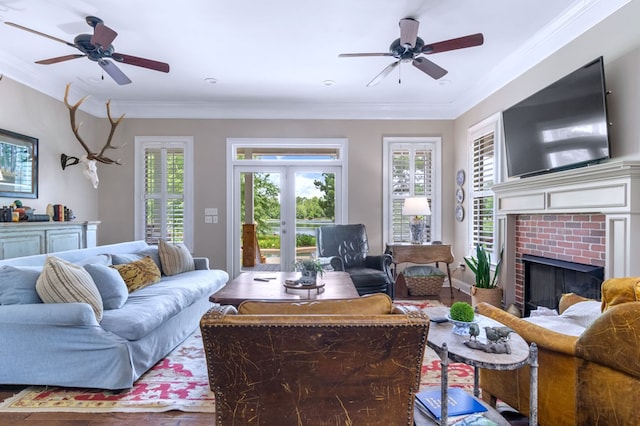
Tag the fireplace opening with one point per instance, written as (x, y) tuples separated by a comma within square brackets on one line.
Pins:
[(545, 280)]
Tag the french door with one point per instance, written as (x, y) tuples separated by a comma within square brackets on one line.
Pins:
[(282, 197)]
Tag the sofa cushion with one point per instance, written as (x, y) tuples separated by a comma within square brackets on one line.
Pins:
[(568, 299), (110, 284), (139, 274), (372, 304), (620, 290), (175, 258), (150, 307), (18, 284), (65, 282)]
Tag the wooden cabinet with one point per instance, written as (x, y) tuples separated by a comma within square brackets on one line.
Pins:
[(29, 238)]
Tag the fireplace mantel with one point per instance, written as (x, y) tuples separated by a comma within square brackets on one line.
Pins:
[(611, 188)]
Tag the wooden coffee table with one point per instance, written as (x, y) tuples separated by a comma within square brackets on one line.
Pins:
[(337, 285)]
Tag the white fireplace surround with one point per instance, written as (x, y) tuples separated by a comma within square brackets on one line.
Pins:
[(611, 189)]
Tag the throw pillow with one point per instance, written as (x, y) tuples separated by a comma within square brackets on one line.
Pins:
[(139, 274), (64, 282), (18, 284), (152, 251), (175, 258), (111, 285), (102, 259), (568, 299)]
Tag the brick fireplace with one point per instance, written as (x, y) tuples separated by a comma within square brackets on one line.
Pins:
[(589, 215), (578, 238)]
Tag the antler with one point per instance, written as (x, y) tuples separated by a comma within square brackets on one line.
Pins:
[(74, 127)]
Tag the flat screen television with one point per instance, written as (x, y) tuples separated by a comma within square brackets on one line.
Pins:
[(562, 126)]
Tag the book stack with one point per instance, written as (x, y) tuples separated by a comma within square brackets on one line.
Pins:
[(462, 409)]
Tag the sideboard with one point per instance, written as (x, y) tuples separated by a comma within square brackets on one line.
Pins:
[(29, 238)]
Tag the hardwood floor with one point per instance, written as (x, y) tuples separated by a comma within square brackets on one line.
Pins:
[(170, 418)]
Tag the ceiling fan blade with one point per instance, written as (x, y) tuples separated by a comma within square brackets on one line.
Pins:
[(453, 44), (103, 36), (357, 55), (408, 32), (114, 72), (385, 72), (40, 34), (429, 68), (59, 59), (141, 62)]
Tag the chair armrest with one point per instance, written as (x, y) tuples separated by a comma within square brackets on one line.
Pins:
[(201, 262), (381, 263), (543, 337), (336, 262), (326, 262), (612, 339)]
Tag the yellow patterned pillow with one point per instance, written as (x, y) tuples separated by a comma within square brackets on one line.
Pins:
[(64, 282), (139, 274), (175, 258)]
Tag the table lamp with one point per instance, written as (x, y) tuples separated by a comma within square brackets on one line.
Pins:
[(416, 207)]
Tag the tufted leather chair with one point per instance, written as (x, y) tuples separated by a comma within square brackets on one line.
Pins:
[(329, 362), (346, 248)]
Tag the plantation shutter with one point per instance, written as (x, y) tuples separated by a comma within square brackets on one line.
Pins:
[(164, 193), (482, 196), (411, 175)]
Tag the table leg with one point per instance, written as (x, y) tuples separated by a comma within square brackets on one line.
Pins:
[(444, 385), (533, 390), (476, 382)]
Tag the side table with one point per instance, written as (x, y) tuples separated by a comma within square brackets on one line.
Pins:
[(421, 254), (450, 346)]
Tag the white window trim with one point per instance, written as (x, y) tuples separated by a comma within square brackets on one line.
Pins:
[(436, 200), (142, 142), (486, 126)]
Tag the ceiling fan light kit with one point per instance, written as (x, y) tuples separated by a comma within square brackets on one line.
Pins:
[(409, 47), (97, 47)]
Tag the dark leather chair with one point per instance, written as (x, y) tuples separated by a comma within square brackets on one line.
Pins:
[(346, 248), (328, 362)]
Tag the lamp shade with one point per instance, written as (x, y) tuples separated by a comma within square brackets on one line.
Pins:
[(416, 206)]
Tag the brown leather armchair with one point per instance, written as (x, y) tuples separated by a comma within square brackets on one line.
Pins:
[(355, 361), (346, 248)]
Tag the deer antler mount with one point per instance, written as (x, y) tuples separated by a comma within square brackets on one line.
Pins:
[(89, 160)]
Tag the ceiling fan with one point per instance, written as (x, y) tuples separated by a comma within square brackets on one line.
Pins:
[(97, 47), (409, 47)]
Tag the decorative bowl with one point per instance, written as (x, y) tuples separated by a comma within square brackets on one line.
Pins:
[(460, 328)]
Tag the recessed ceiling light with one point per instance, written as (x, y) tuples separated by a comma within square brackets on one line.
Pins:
[(210, 80), (443, 82), (328, 83)]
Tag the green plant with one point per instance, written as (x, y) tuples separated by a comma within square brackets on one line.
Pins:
[(481, 267), (461, 311), (312, 265)]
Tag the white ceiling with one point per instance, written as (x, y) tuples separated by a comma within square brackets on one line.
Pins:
[(270, 58)]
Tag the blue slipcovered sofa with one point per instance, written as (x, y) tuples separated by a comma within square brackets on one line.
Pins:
[(64, 344)]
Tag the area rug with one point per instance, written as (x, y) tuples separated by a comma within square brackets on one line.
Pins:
[(180, 382)]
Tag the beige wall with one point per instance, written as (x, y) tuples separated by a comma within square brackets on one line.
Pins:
[(364, 174), (617, 39), (25, 111)]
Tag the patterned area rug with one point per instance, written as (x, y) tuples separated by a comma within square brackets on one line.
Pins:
[(180, 382)]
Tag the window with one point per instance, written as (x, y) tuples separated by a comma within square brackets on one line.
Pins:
[(411, 168), (484, 172), (164, 189)]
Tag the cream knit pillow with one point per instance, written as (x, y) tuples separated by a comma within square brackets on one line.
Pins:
[(64, 282), (175, 258)]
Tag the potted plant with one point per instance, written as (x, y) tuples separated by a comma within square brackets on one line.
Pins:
[(309, 269), (461, 315), (486, 287)]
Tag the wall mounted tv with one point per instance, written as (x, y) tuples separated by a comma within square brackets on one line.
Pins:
[(562, 126)]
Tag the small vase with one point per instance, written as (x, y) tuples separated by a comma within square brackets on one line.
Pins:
[(460, 328)]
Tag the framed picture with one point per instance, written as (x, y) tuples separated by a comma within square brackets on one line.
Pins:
[(18, 165)]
